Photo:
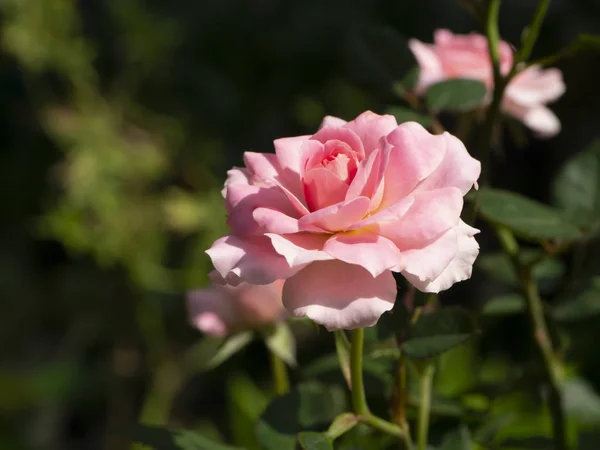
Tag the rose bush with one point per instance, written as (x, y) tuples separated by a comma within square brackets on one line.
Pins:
[(467, 56), (335, 213), (221, 309)]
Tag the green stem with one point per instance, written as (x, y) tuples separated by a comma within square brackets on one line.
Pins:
[(399, 405), (279, 371), (493, 112), (359, 399), (534, 31), (425, 388), (552, 366)]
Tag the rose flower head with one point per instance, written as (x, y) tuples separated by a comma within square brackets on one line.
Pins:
[(335, 213), (467, 56), (220, 310)]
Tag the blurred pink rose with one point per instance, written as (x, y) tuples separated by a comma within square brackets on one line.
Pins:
[(335, 213), (220, 310), (466, 56)]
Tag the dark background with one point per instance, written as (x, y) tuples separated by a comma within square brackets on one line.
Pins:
[(118, 120)]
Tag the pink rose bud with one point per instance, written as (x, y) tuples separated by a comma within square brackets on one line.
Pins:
[(220, 309), (467, 56), (335, 213)]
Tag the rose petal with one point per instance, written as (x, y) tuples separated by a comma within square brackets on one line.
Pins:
[(339, 295), (432, 213), (459, 268), (416, 153), (370, 128), (211, 324), (322, 188), (338, 217), (332, 122), (430, 67), (273, 221), (300, 248), (422, 265), (369, 250), (241, 201), (542, 121), (263, 166), (369, 178), (341, 134), (252, 259), (535, 86), (389, 215), (235, 175), (457, 169)]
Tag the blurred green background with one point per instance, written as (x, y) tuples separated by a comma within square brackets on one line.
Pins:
[(118, 121)]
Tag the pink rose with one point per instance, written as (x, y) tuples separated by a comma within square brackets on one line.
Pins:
[(221, 309), (466, 56), (335, 213), (457, 56)]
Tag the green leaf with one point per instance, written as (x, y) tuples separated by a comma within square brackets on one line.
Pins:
[(438, 332), (246, 403), (455, 95), (341, 425), (165, 439), (581, 307), (576, 189), (581, 401), (408, 115), (308, 407), (309, 440), (212, 352), (457, 440), (342, 347), (526, 217), (502, 305), (280, 340)]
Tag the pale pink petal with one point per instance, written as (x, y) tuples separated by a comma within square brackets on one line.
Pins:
[(241, 201), (332, 122), (430, 68), (236, 175), (211, 324), (252, 259), (420, 266), (371, 127), (263, 166), (535, 86), (369, 179), (209, 310), (458, 168), (339, 295), (342, 134), (290, 155), (433, 213), (461, 266), (542, 121), (322, 188), (390, 215), (337, 217), (369, 250), (416, 153), (274, 221), (300, 248)]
